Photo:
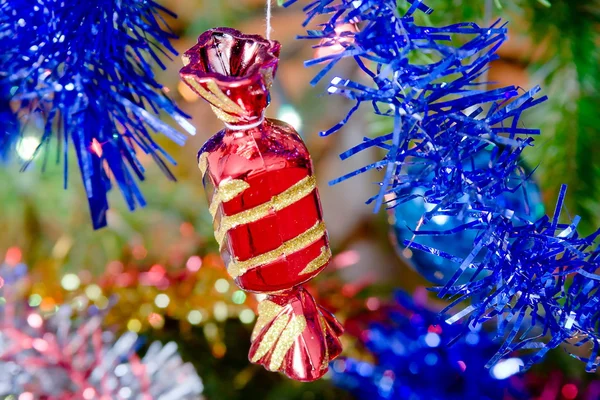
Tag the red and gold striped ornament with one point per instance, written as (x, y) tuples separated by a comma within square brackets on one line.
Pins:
[(264, 201)]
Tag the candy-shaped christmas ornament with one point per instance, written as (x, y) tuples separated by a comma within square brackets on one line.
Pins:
[(267, 215)]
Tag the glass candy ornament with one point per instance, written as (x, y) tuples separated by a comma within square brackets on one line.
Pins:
[(259, 180), (405, 217)]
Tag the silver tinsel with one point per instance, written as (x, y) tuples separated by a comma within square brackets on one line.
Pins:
[(68, 355)]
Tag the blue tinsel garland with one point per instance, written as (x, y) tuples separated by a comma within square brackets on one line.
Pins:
[(415, 361), (84, 67), (443, 118), (436, 104), (521, 278)]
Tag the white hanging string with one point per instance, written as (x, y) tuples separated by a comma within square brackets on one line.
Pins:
[(269, 14), (247, 126)]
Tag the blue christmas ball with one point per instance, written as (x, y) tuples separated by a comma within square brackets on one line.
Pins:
[(405, 217)]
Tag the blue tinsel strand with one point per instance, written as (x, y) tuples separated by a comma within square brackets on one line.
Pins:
[(9, 129), (436, 104), (414, 361), (84, 67)]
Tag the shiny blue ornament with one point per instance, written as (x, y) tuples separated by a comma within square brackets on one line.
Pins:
[(406, 217), (415, 361), (85, 69)]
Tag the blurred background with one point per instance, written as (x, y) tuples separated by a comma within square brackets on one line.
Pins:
[(162, 260)]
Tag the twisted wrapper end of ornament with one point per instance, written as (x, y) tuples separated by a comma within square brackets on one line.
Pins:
[(296, 336), (233, 72)]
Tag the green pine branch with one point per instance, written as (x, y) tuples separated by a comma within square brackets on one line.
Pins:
[(570, 73)]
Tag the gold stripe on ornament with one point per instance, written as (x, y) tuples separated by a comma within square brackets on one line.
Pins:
[(237, 268), (200, 90), (203, 163), (224, 102), (318, 262), (231, 188), (270, 338), (223, 116), (227, 191), (323, 325), (229, 222), (267, 311), (214, 205), (186, 60), (268, 77), (286, 340), (218, 99), (278, 202)]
